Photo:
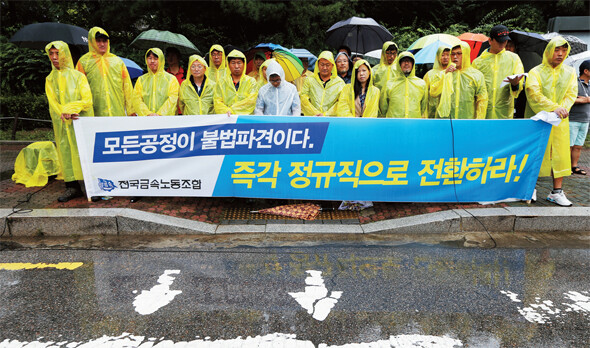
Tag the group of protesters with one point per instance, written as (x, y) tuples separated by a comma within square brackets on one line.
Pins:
[(343, 86)]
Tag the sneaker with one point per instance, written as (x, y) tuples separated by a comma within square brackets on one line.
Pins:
[(534, 197), (70, 193), (559, 199)]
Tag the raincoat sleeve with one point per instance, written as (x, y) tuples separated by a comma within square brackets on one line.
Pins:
[(169, 106), (127, 91), (306, 105), (74, 107), (437, 83), (139, 105), (218, 103), (296, 106), (332, 111), (518, 69), (481, 99), (424, 103), (259, 109), (55, 107), (246, 106), (344, 102), (384, 101), (539, 102)]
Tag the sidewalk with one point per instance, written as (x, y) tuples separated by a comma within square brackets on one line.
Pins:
[(219, 212)]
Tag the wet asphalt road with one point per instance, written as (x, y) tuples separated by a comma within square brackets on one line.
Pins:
[(222, 294)]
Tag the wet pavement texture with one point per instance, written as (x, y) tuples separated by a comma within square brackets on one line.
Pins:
[(482, 298), (237, 210)]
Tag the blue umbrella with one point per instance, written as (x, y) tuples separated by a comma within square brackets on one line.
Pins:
[(135, 70), (427, 55), (303, 53)]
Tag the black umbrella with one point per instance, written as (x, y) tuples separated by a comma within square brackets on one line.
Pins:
[(38, 35), (529, 47), (360, 34)]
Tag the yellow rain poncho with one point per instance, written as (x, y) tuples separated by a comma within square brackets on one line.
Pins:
[(227, 99), (299, 81), (36, 163), (108, 78), (189, 100), (67, 92), (317, 99), (432, 76), (156, 92), (463, 92), (548, 88), (347, 101), (213, 73), (495, 68), (404, 96), (383, 71)]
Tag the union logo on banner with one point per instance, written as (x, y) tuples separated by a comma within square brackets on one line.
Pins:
[(106, 185)]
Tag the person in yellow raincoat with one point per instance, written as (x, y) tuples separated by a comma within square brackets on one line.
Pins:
[(462, 88), (552, 86), (320, 92), (497, 64), (405, 96), (155, 93), (385, 70), (441, 62), (217, 65), (236, 92), (107, 75), (298, 82), (196, 92), (259, 58), (359, 98), (69, 97)]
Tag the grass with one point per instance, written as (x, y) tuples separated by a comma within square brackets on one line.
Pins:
[(39, 134)]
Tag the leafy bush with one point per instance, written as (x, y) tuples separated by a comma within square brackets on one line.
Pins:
[(23, 70), (26, 105)]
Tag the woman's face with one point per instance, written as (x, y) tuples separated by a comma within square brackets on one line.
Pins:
[(362, 74)]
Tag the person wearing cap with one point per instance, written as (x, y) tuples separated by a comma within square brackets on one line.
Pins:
[(217, 66), (385, 70), (107, 76), (235, 93), (461, 87), (196, 92), (277, 97), (259, 58), (359, 98), (343, 64), (405, 96), (441, 62), (580, 117), (320, 92), (552, 87), (503, 72), (156, 92), (69, 97)]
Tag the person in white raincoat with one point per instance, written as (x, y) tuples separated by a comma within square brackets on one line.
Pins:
[(277, 97)]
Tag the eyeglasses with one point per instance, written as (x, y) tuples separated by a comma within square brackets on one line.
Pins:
[(197, 67)]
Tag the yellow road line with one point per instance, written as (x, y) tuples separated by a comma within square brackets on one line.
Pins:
[(61, 265)]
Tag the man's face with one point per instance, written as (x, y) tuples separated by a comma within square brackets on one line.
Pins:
[(305, 62), (325, 68), (457, 57), (54, 57), (406, 65), (390, 56), (237, 67), (258, 62), (275, 80), (197, 70), (444, 58), (510, 46), (362, 73), (558, 55), (342, 64), (172, 58), (153, 62), (102, 44), (217, 57), (497, 46)]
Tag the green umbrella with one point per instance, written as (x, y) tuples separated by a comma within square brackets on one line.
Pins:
[(163, 39), (290, 63)]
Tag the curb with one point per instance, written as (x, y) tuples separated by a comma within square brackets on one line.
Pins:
[(125, 221)]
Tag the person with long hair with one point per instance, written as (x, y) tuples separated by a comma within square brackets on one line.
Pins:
[(359, 98)]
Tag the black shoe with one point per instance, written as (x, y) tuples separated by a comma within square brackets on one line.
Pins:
[(70, 193), (134, 199), (96, 198)]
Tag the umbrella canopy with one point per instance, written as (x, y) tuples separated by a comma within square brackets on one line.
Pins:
[(133, 68), (305, 211), (477, 42), (360, 34), (163, 39), (578, 46), (265, 48), (38, 35), (303, 53), (577, 59), (290, 63), (429, 39), (427, 55), (529, 47)]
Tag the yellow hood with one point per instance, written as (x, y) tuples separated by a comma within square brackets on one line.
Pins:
[(192, 59), (161, 59), (439, 52), (92, 40), (550, 49), (330, 57), (398, 62), (65, 58), (466, 50), (220, 49), (236, 54), (355, 69), (386, 44)]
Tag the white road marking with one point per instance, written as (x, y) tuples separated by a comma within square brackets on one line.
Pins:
[(544, 312), (315, 298), (149, 301)]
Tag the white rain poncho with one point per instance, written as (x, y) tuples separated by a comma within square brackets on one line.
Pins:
[(282, 100)]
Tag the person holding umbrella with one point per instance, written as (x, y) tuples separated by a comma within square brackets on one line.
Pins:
[(497, 64), (385, 70), (320, 92), (552, 87), (235, 93), (196, 92), (107, 75), (405, 96), (277, 97), (217, 66), (155, 93), (359, 98), (343, 64), (69, 97)]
